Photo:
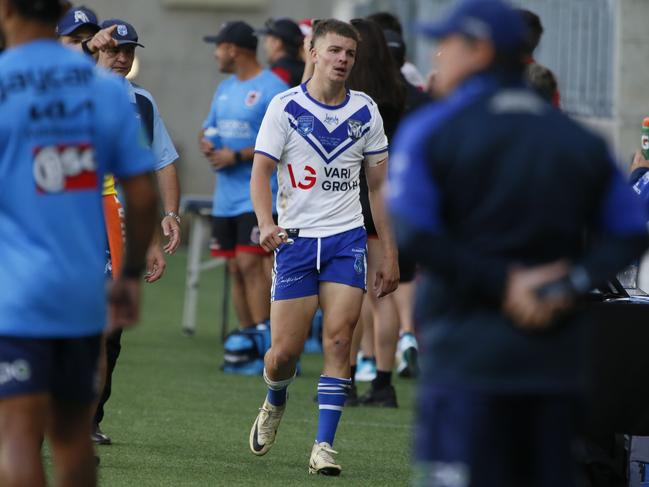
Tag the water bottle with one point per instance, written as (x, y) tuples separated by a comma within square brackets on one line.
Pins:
[(212, 134), (645, 138)]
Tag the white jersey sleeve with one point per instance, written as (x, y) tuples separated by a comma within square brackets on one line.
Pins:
[(376, 148), (273, 132)]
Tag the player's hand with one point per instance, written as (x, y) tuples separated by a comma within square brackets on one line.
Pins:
[(638, 161), (171, 229), (522, 302), (271, 237), (206, 147), (155, 263), (123, 304), (222, 158), (387, 277), (103, 40)]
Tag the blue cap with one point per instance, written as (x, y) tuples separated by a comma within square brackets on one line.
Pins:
[(125, 32), (76, 18), (493, 20)]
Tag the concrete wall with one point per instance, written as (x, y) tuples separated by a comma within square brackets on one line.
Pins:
[(178, 68), (632, 73)]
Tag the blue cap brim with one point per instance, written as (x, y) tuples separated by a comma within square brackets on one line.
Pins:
[(123, 43), (72, 28), (436, 30)]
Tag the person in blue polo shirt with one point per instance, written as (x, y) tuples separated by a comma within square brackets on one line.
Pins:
[(228, 141), (492, 191), (66, 124)]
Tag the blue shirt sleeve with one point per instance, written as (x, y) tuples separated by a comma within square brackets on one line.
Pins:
[(131, 155), (622, 211), (162, 146), (412, 195)]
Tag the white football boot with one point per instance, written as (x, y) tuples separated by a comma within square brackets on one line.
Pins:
[(264, 429), (322, 461)]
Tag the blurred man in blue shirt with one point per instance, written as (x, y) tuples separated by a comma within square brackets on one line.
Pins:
[(492, 191), (228, 142), (66, 125)]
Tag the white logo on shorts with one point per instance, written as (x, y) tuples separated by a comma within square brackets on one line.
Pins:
[(122, 30), (18, 370)]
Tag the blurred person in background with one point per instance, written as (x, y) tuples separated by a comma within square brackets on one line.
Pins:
[(389, 21), (114, 46), (376, 74), (237, 109), (534, 33), (543, 81), (497, 224), (77, 25), (53, 304), (283, 41)]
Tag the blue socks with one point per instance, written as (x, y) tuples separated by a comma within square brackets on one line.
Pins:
[(277, 397), (332, 393), (277, 389)]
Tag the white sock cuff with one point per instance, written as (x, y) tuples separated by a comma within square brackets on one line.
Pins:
[(278, 385)]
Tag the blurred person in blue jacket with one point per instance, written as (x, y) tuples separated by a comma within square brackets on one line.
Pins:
[(492, 191)]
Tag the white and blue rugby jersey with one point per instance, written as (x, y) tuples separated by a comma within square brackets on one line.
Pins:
[(320, 150), (64, 125)]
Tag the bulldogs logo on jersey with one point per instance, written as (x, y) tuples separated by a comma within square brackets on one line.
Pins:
[(305, 124), (252, 98), (354, 129)]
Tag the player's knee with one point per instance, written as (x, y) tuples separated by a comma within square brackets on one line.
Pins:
[(338, 343), (282, 356)]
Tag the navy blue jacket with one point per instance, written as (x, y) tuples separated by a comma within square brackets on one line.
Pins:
[(494, 177)]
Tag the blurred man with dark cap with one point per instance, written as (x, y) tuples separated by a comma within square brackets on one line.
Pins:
[(64, 126), (282, 43), (492, 191), (77, 25)]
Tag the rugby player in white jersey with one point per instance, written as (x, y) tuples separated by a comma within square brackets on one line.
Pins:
[(317, 135)]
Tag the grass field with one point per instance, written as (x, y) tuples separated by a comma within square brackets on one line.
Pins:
[(177, 420)]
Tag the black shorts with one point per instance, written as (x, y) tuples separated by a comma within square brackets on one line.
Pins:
[(65, 368), (407, 267), (235, 234)]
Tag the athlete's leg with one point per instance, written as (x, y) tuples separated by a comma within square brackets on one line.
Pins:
[(404, 298), (290, 324), (23, 421), (386, 322), (256, 283), (69, 435), (74, 378), (341, 307), (239, 295)]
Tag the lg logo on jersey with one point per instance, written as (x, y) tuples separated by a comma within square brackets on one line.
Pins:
[(307, 182)]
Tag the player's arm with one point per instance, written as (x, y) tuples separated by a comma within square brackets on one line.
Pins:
[(262, 202), (387, 278)]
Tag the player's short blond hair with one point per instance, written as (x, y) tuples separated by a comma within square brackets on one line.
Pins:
[(334, 26)]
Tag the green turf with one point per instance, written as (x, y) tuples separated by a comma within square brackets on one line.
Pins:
[(177, 420)]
